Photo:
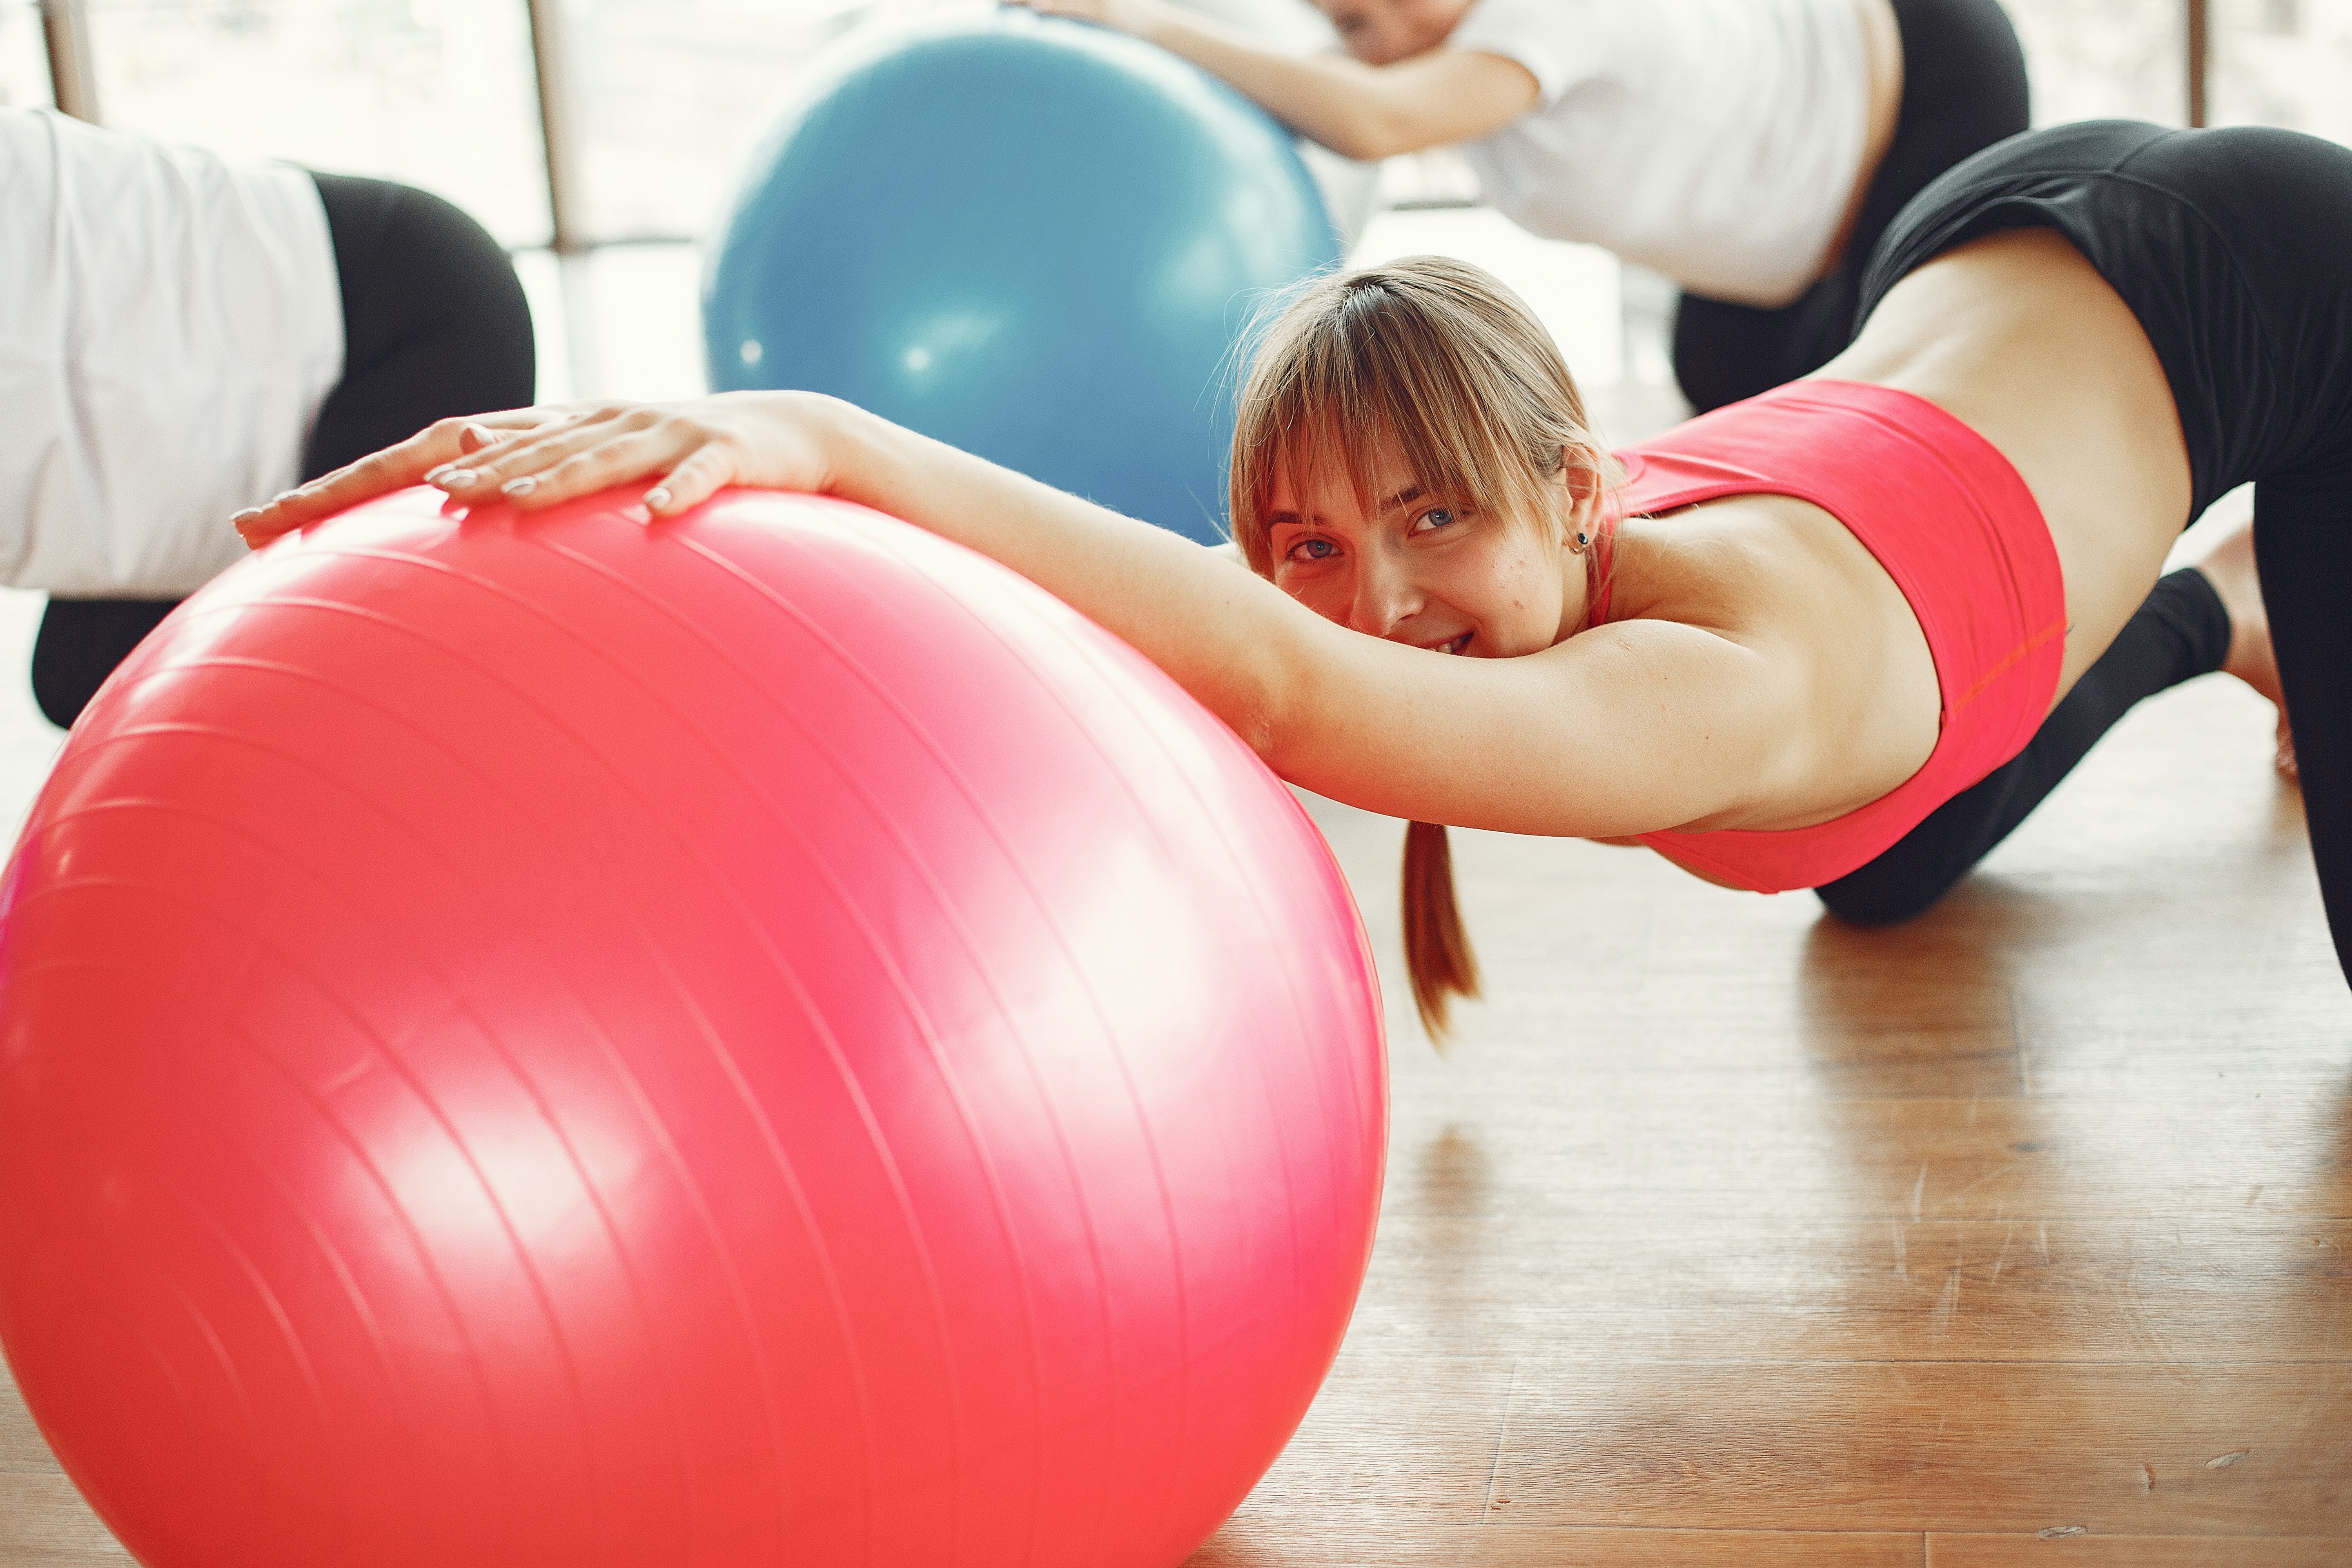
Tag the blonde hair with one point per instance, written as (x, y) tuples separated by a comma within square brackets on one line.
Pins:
[(1440, 358)]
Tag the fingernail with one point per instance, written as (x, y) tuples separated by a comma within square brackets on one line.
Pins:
[(657, 497), (521, 487), (251, 511), (283, 496), (435, 475), (457, 478)]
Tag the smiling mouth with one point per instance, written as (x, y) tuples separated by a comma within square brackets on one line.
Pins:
[(1452, 645)]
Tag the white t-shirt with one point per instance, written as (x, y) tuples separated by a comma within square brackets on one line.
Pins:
[(169, 324), (1716, 141)]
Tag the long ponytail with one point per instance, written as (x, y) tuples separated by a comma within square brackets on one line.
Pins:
[(1436, 949)]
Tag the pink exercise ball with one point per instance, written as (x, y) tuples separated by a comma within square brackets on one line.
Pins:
[(759, 1040)]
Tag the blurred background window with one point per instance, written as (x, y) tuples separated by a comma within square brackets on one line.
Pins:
[(23, 72), (659, 103), (436, 93), (2105, 60), (2282, 62), (674, 93)]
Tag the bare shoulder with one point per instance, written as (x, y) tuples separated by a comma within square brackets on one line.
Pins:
[(1751, 568), (1852, 689)]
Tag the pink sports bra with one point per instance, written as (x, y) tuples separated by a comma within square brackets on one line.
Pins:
[(1964, 540)]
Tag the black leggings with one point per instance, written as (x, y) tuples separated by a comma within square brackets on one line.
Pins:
[(434, 324), (1963, 89), (2229, 246), (2180, 632)]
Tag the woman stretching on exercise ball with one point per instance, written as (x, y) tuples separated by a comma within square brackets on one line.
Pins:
[(1751, 150), (1779, 644)]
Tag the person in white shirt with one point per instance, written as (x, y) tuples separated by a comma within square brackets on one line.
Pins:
[(182, 335), (1751, 150)]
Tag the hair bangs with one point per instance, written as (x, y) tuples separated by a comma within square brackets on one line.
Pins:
[(1428, 358)]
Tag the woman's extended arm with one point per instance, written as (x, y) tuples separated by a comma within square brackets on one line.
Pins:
[(1634, 727), (1356, 109)]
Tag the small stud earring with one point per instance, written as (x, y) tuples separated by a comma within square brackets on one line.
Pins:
[(1581, 541)]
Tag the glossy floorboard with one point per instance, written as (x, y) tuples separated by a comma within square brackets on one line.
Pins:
[(1727, 1235)]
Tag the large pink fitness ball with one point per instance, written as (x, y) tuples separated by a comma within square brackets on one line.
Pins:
[(761, 1039)]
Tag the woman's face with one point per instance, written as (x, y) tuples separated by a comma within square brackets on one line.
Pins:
[(1427, 568), (1381, 32)]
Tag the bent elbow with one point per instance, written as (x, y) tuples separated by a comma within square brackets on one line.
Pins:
[(1363, 143), (1257, 719), (1264, 710), (1261, 738), (1369, 138)]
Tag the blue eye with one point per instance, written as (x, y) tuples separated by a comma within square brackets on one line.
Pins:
[(1315, 549), (1435, 517)]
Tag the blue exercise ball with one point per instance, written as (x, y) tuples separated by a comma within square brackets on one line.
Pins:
[(1028, 237)]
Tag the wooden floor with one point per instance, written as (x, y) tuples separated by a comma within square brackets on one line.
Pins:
[(1727, 1235)]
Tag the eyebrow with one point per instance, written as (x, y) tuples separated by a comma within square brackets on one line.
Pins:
[(1405, 497)]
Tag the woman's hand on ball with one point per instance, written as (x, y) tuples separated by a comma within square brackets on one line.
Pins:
[(536, 458), (378, 473), (776, 440)]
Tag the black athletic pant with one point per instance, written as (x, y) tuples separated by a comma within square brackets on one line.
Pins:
[(1963, 89), (2180, 632), (434, 324), (2230, 247)]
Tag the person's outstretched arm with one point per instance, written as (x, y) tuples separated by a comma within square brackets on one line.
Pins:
[(1637, 726), (1356, 109)]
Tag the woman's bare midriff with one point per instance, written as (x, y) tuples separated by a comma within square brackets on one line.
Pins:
[(2018, 336)]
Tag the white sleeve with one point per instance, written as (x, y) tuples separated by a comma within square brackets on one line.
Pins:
[(1560, 41)]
